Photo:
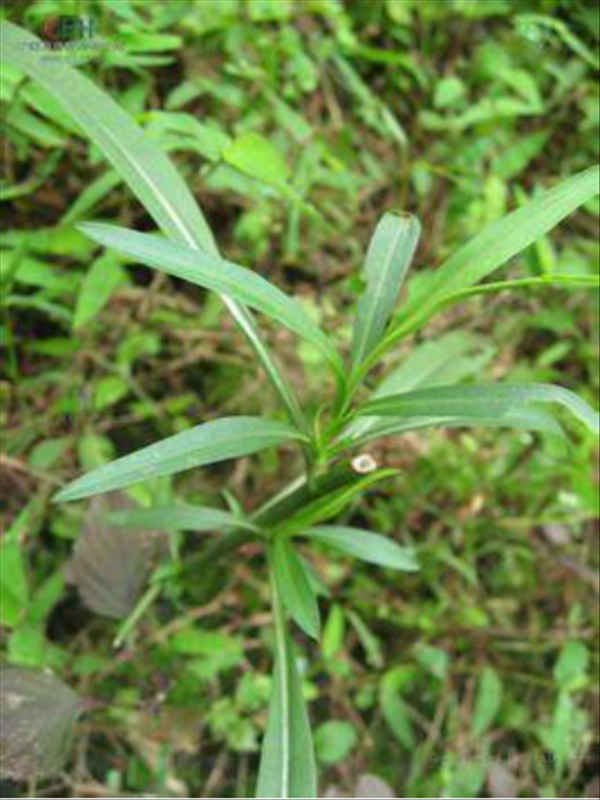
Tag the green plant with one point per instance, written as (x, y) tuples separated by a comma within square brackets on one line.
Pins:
[(328, 437)]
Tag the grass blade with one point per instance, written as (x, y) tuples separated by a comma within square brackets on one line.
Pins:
[(295, 587), (219, 440), (370, 547), (483, 402), (143, 165), (287, 765), (212, 272), (388, 258)]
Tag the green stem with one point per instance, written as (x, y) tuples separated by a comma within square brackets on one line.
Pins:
[(281, 659), (287, 502), (138, 612), (277, 377), (300, 493), (216, 549)]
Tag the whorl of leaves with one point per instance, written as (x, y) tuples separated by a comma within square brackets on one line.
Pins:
[(38, 714), (110, 565)]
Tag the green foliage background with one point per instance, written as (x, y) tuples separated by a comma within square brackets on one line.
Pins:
[(298, 124)]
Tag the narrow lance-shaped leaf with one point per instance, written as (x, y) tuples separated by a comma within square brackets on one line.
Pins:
[(212, 272), (503, 239), (370, 547), (142, 164), (483, 401), (91, 196), (14, 582), (219, 440), (287, 765), (526, 419), (488, 701), (295, 587), (179, 518), (388, 258), (394, 710), (255, 156), (446, 360), (103, 278)]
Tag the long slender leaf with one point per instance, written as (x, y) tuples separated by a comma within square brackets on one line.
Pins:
[(483, 255), (142, 164), (449, 359), (219, 440), (441, 362), (388, 258), (488, 701), (179, 518), (370, 547), (481, 401), (287, 766), (91, 196), (149, 173), (295, 587), (503, 239), (394, 710), (528, 419), (211, 272)]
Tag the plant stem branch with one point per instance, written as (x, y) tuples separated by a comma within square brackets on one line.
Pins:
[(279, 624), (138, 612)]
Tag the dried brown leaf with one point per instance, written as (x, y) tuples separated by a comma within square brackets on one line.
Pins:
[(38, 713), (110, 565)]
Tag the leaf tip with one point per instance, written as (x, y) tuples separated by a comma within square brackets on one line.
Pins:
[(62, 496)]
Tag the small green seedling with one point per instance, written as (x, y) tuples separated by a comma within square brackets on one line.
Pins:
[(336, 468)]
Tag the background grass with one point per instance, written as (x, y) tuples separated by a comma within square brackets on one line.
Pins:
[(476, 677)]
